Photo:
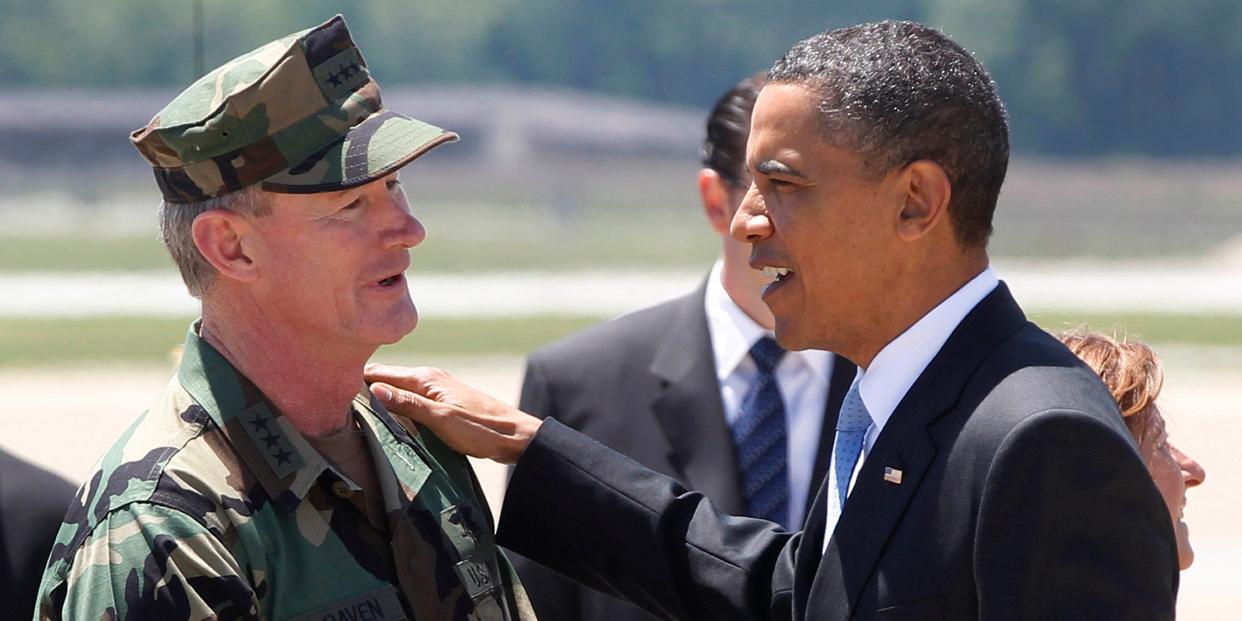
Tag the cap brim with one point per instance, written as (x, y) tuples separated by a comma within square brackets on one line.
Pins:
[(374, 148)]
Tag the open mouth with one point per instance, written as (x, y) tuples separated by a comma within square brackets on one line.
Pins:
[(780, 276), (777, 272)]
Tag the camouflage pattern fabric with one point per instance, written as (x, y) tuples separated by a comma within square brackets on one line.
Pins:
[(213, 506), (301, 114)]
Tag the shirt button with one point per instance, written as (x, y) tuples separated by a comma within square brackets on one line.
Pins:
[(341, 489)]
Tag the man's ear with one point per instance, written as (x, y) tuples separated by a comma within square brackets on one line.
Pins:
[(927, 192), (714, 193), (218, 234)]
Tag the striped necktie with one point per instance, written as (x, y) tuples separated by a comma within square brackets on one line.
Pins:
[(759, 435)]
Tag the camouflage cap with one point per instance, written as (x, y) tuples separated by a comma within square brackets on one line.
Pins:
[(300, 114)]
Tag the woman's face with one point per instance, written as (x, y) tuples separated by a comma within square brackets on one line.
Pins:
[(1173, 472)]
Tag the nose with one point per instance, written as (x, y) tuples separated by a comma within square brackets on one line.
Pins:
[(401, 229), (1192, 471), (751, 222)]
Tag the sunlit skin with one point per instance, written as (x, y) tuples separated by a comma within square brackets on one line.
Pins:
[(324, 256), (307, 293), (870, 253), (1173, 472)]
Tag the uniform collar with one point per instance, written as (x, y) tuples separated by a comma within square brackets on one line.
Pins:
[(277, 454)]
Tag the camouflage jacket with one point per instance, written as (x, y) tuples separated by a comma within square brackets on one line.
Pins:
[(213, 506)]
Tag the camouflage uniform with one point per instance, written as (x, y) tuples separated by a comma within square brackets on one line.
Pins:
[(213, 506)]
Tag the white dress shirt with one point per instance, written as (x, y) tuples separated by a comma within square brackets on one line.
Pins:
[(894, 370), (801, 377)]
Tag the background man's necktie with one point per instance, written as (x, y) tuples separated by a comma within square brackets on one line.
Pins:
[(759, 435), (852, 427)]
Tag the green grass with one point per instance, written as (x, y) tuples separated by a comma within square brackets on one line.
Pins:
[(107, 340), (554, 248), (79, 252), (460, 238), (1184, 329)]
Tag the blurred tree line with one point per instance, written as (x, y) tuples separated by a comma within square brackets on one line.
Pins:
[(1080, 77)]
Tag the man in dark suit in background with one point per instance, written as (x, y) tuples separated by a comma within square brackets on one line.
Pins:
[(979, 469), (33, 502), (676, 386)]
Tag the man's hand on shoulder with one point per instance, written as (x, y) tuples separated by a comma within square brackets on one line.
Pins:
[(468, 420)]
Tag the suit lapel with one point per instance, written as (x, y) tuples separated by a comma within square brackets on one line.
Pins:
[(808, 555), (807, 559), (871, 513), (688, 408), (875, 506)]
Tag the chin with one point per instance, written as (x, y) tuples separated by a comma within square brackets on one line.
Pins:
[(404, 329), (1185, 554), (395, 327), (789, 335)]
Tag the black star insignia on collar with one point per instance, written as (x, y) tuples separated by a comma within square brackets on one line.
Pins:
[(272, 441), (259, 423), (282, 457), (335, 79), (344, 71)]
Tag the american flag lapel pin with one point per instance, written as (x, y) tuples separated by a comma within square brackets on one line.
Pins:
[(892, 475)]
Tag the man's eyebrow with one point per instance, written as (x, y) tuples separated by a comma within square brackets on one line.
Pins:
[(774, 167)]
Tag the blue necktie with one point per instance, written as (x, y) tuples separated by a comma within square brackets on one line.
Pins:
[(759, 435), (852, 427)]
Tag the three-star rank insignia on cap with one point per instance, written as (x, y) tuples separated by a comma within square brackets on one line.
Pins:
[(892, 475), (342, 73)]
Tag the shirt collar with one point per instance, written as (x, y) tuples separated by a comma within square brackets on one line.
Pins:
[(733, 332), (885, 383)]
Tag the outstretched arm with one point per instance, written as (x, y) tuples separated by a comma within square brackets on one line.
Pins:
[(601, 518)]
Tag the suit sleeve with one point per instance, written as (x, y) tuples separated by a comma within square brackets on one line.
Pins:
[(147, 561), (604, 520), (536, 398), (33, 503), (553, 597), (1072, 527)]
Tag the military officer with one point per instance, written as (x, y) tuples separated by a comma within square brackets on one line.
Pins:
[(266, 482)]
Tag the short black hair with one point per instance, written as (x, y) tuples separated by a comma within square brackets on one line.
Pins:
[(728, 128), (898, 91)]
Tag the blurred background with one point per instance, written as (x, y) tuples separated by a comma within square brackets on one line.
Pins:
[(571, 197)]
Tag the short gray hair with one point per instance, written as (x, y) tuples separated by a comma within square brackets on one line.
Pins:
[(177, 221)]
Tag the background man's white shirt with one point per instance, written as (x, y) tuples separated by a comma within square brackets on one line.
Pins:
[(802, 378)]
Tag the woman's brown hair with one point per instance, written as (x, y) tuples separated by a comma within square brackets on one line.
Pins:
[(1132, 372)]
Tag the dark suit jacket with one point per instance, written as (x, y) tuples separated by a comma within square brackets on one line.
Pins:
[(645, 385), (33, 503), (1022, 497)]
